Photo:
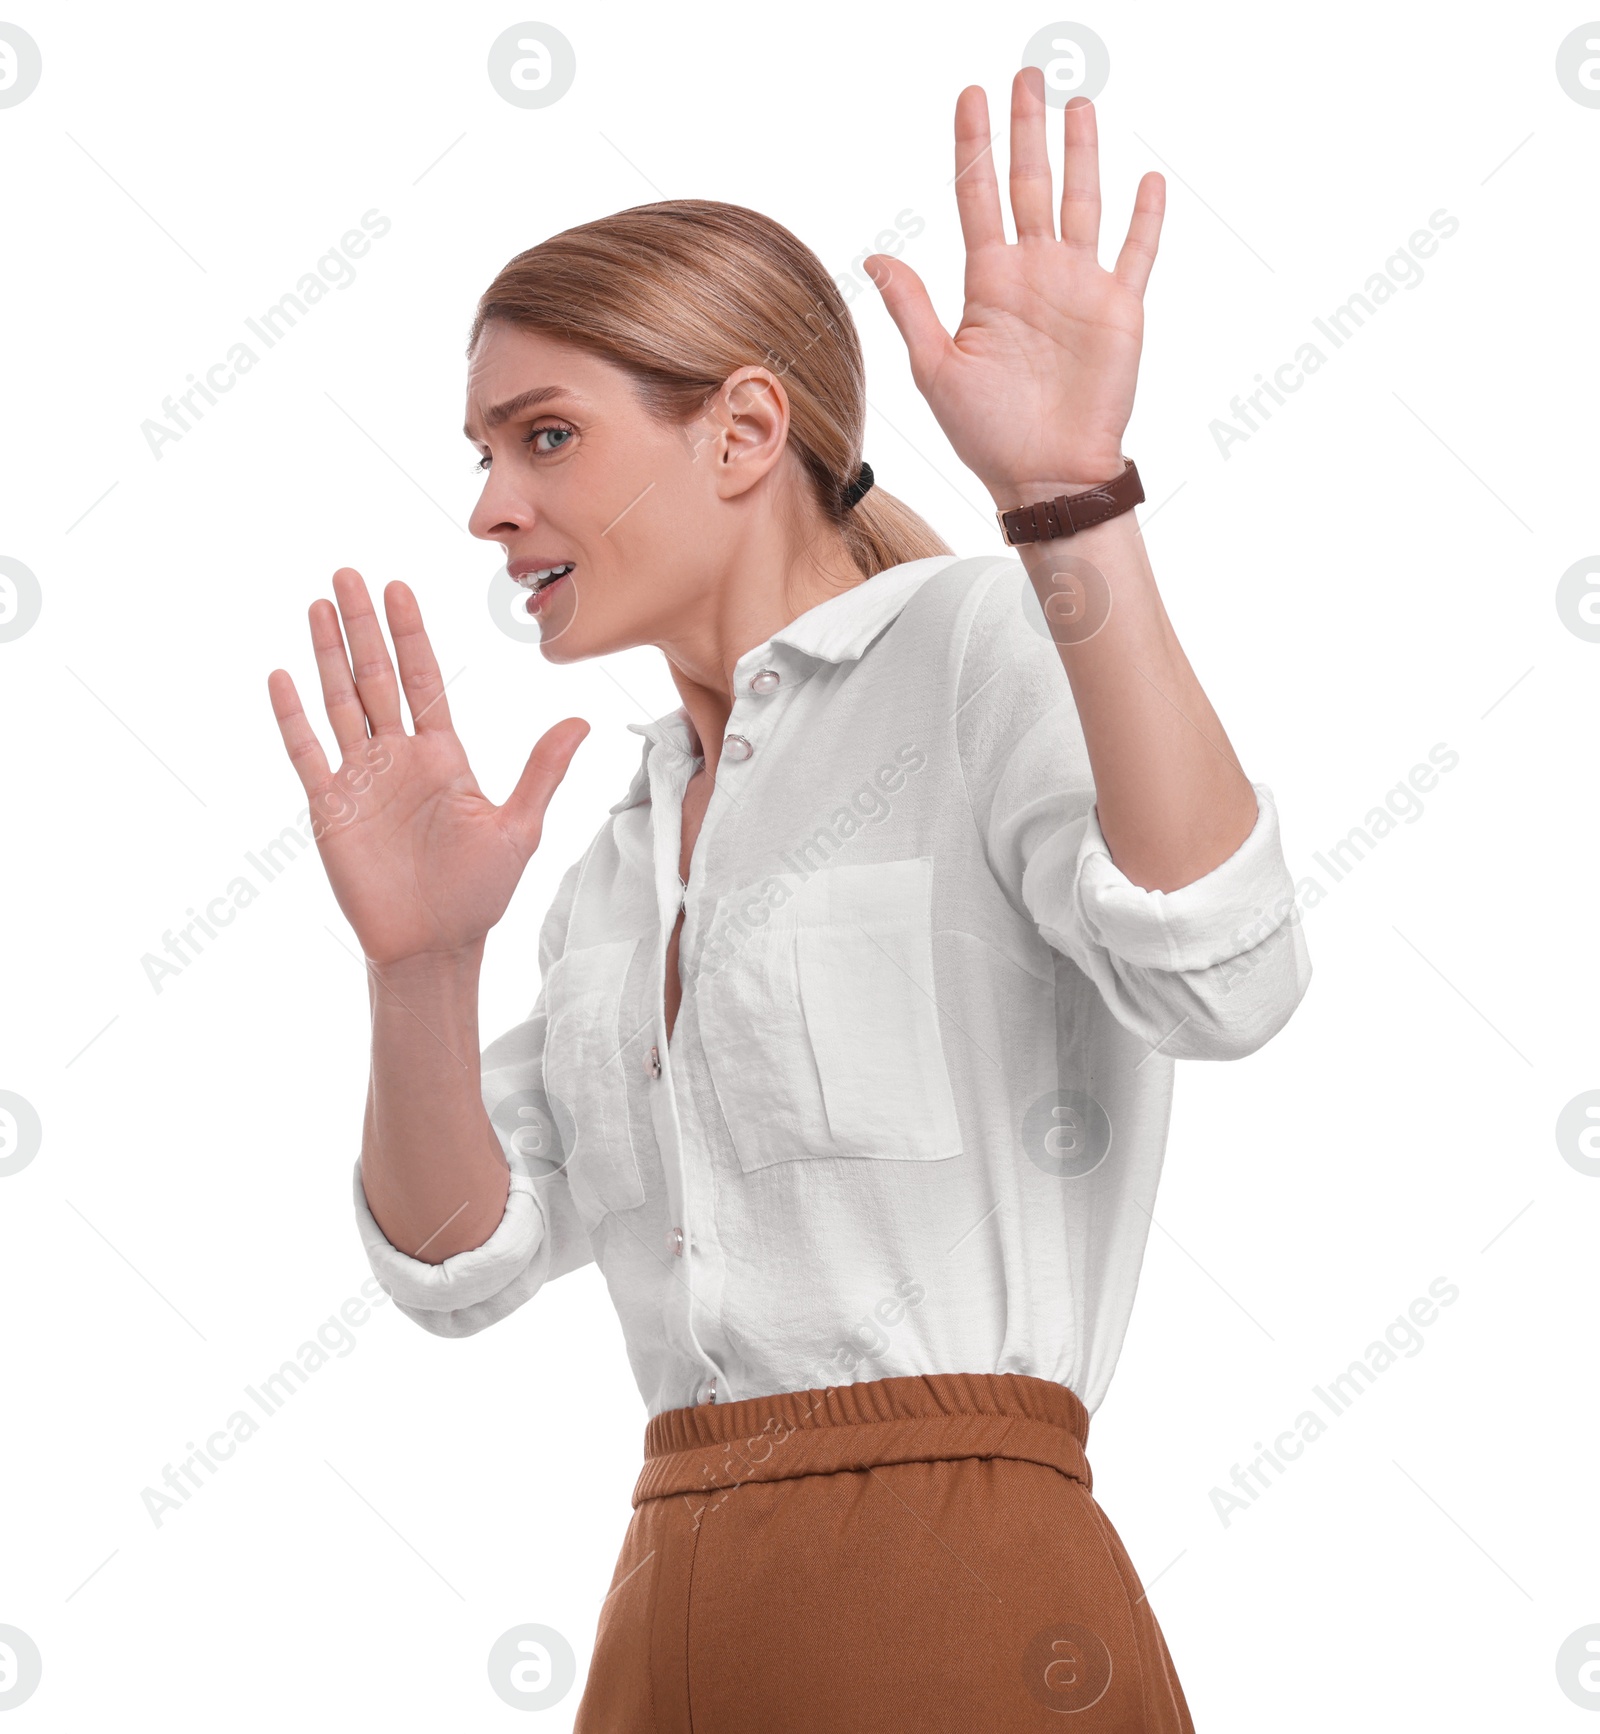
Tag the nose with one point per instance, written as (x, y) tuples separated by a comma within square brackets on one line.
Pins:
[(500, 513)]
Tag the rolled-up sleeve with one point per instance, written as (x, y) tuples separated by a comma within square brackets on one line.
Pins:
[(1211, 970), (472, 1289), (539, 1236)]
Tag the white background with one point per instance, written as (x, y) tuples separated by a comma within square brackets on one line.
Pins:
[(1373, 572)]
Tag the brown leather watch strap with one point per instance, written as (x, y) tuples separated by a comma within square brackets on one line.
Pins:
[(1067, 514)]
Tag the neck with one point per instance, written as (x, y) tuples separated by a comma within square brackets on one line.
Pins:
[(743, 613)]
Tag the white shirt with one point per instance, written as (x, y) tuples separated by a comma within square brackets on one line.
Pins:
[(913, 1112)]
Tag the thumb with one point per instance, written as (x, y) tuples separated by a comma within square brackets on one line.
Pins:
[(523, 813), (912, 311)]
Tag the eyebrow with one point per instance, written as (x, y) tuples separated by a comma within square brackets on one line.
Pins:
[(513, 406)]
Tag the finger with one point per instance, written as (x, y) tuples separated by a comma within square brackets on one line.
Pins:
[(903, 292), (1030, 160), (299, 738), (369, 655), (1144, 233), (339, 696), (419, 669), (523, 813), (977, 190), (1080, 177)]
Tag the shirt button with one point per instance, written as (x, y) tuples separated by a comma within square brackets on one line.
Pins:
[(675, 1241), (708, 1390), (736, 747), (652, 1063), (765, 681)]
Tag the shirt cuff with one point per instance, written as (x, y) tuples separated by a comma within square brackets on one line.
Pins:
[(1217, 916), (467, 1277)]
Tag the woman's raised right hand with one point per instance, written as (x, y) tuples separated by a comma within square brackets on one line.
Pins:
[(420, 860)]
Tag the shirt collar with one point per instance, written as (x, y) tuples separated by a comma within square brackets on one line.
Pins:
[(841, 628), (837, 630)]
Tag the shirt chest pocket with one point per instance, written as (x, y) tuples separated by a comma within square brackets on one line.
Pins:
[(818, 1014), (588, 1040)]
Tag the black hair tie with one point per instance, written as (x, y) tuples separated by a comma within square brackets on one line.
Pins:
[(858, 487)]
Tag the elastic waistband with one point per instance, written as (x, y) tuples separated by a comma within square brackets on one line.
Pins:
[(916, 1418)]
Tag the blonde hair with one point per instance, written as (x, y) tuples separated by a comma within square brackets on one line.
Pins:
[(680, 293)]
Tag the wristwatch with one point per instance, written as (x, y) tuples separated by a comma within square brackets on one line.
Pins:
[(1067, 514)]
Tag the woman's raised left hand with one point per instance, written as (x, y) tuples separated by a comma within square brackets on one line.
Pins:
[(1036, 387)]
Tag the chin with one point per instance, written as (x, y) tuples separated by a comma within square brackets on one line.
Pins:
[(572, 643), (573, 633), (565, 647)]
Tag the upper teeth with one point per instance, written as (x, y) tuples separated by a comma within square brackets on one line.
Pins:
[(545, 574)]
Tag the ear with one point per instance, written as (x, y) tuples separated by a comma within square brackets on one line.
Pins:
[(750, 428)]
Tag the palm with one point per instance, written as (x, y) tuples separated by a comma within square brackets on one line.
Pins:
[(419, 859), (1037, 383)]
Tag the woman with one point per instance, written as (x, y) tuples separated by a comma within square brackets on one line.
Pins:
[(852, 1056)]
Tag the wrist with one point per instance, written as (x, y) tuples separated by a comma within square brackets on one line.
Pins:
[(1076, 478), (430, 970)]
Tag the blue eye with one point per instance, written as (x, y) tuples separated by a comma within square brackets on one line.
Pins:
[(528, 439)]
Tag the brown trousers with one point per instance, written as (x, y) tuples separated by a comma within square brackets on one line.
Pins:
[(920, 1553)]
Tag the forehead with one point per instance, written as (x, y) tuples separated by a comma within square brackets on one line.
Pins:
[(508, 362)]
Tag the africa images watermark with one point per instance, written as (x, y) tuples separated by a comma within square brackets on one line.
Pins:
[(908, 224), (334, 270), (332, 807), (1401, 270), (1401, 805), (1402, 1337), (868, 806), (861, 1345), (867, 1339), (335, 1337)]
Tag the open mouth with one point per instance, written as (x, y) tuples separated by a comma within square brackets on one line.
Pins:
[(542, 580), (539, 584)]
